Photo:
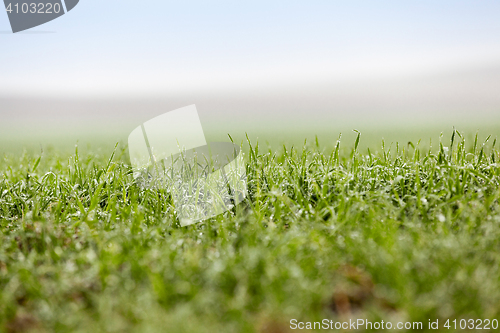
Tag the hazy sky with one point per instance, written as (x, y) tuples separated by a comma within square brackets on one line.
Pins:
[(128, 48)]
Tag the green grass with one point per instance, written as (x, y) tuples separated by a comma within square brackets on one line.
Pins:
[(409, 234)]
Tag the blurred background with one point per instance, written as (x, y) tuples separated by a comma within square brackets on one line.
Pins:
[(281, 71)]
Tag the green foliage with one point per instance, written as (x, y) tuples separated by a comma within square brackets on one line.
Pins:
[(407, 234)]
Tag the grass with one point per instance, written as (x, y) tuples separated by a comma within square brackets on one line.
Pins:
[(401, 234)]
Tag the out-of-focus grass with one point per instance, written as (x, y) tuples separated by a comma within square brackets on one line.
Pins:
[(407, 234), (274, 133)]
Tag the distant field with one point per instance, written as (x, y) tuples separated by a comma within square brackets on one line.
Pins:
[(274, 134), (403, 110), (329, 230)]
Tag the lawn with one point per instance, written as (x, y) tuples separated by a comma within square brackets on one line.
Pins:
[(403, 233)]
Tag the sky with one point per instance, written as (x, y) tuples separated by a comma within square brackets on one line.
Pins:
[(124, 48), (284, 69)]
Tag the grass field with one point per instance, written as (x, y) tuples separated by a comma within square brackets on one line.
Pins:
[(404, 233)]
